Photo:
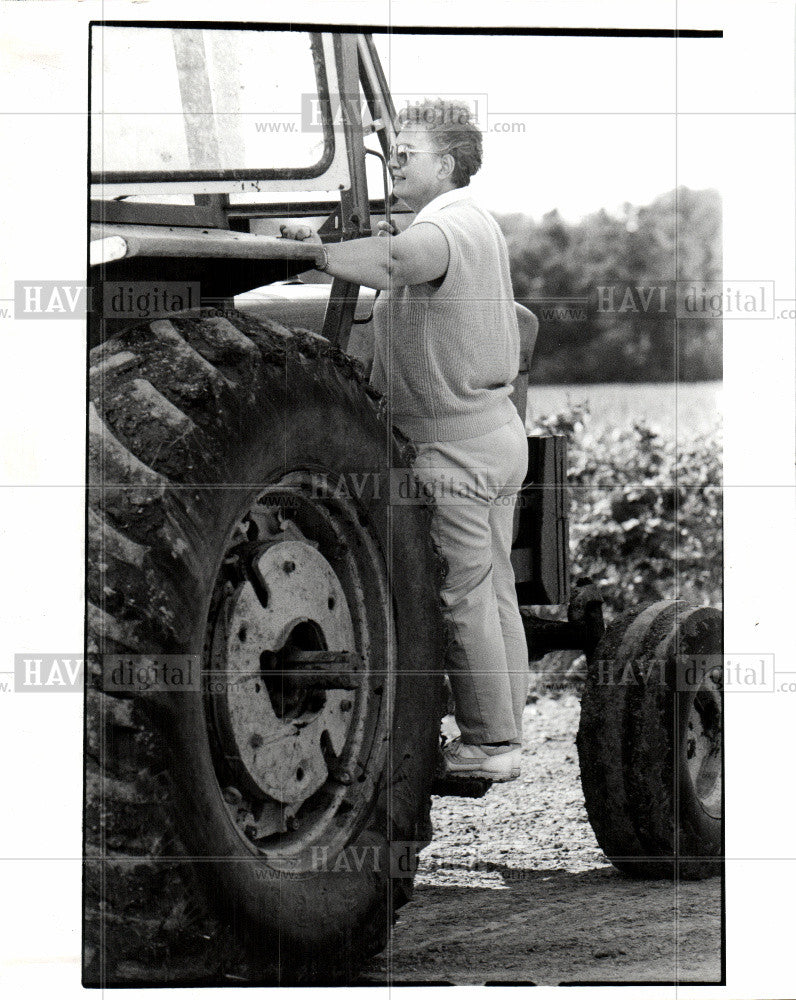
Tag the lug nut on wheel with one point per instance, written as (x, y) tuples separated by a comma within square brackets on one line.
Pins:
[(232, 796)]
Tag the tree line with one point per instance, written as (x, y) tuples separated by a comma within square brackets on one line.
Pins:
[(608, 289)]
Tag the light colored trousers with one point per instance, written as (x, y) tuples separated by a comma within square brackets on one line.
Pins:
[(475, 483)]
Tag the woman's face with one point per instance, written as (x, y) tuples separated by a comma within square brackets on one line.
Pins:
[(424, 175)]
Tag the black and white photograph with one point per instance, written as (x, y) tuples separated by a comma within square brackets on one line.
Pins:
[(398, 517)]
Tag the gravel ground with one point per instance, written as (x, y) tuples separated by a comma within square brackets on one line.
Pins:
[(514, 888)]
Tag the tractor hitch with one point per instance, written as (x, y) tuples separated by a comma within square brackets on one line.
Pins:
[(582, 629)]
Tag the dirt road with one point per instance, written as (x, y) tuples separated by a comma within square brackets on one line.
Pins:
[(515, 889)]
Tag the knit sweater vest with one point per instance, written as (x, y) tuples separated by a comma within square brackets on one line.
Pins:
[(445, 357)]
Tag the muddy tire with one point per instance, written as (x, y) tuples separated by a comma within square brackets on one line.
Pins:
[(650, 742), (265, 643)]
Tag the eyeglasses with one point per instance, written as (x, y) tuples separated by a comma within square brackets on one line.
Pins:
[(402, 152)]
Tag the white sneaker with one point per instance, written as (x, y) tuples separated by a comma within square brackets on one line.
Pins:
[(473, 760)]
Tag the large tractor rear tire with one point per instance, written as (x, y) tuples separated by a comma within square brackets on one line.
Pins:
[(266, 646), (650, 742)]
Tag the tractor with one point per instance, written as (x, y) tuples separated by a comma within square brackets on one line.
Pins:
[(265, 643)]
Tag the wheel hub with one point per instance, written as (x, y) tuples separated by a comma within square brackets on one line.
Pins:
[(280, 715), (703, 747), (299, 676)]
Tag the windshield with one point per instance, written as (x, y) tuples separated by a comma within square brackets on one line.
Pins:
[(183, 103)]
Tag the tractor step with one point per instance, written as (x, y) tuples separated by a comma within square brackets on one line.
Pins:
[(466, 788)]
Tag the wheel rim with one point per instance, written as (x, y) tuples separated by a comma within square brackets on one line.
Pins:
[(299, 671), (703, 745)]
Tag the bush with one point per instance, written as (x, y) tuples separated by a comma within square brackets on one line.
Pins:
[(646, 513)]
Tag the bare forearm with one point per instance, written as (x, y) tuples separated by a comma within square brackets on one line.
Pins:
[(365, 261), (419, 255)]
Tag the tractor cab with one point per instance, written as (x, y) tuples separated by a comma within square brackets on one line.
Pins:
[(252, 127)]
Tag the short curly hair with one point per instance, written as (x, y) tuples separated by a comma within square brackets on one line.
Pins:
[(453, 130)]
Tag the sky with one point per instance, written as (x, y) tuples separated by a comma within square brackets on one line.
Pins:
[(586, 122)]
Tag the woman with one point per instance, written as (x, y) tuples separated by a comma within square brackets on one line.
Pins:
[(446, 351)]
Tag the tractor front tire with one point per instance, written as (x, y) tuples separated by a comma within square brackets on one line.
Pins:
[(650, 742)]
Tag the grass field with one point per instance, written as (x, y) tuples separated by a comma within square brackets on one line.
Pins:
[(672, 409)]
